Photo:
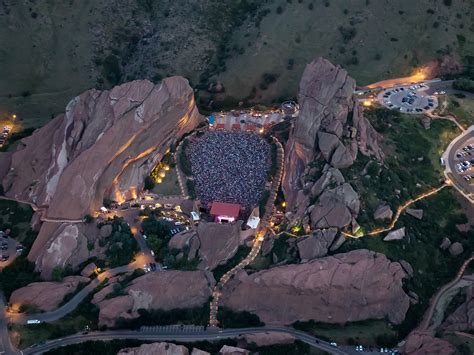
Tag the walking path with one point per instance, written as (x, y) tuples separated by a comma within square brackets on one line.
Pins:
[(426, 323), (257, 243), (400, 209)]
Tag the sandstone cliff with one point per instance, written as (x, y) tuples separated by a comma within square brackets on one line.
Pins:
[(165, 290), (418, 343), (102, 146), (342, 288), (325, 99)]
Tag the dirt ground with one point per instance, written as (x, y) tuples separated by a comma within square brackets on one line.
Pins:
[(53, 50)]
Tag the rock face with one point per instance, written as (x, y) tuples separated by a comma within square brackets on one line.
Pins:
[(102, 146), (317, 244), (156, 349), (368, 138), (462, 319), (157, 290), (46, 296), (325, 98), (424, 344), (335, 207), (456, 249), (342, 288), (395, 235), (218, 243), (445, 243), (417, 213), (232, 350), (212, 244), (383, 211)]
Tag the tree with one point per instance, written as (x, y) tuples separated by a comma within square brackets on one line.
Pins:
[(88, 218), (57, 273), (149, 183)]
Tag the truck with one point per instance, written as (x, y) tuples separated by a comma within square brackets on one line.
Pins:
[(33, 321)]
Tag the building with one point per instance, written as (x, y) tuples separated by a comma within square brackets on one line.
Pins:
[(223, 212)]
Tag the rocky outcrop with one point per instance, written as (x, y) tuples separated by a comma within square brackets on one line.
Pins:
[(211, 243), (456, 248), (268, 338), (417, 213), (232, 350), (46, 296), (383, 211), (418, 343), (445, 243), (102, 146), (317, 244), (335, 208), (156, 349), (462, 319), (325, 99), (342, 288), (218, 243), (395, 235), (368, 139), (165, 290)]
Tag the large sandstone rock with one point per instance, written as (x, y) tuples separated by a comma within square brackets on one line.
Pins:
[(46, 296), (418, 343), (462, 319), (383, 211), (317, 244), (395, 235), (335, 207), (232, 350), (456, 249), (330, 176), (268, 338), (164, 290), (325, 98), (156, 349), (417, 213), (368, 139), (102, 146), (342, 288), (218, 243)]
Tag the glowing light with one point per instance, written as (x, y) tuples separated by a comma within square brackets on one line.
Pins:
[(261, 130), (296, 229), (283, 204), (162, 174), (14, 116), (159, 180), (166, 167), (367, 103)]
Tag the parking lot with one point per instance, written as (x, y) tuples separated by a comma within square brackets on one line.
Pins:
[(464, 161), (410, 99), (9, 249)]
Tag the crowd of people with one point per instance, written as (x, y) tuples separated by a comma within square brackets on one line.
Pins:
[(229, 166)]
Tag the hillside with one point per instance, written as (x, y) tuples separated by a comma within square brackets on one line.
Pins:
[(53, 50)]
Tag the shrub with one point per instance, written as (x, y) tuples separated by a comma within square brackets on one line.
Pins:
[(348, 33), (149, 183), (279, 10)]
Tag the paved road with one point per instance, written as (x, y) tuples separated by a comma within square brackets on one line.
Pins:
[(6, 346), (449, 157), (209, 334), (426, 322)]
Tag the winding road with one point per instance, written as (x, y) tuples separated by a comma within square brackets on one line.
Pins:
[(182, 336)]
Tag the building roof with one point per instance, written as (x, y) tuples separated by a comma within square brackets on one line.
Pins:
[(236, 126), (225, 209), (220, 125)]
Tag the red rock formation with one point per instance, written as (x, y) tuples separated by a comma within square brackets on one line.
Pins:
[(325, 99), (419, 343), (46, 296), (342, 288), (158, 290), (103, 145)]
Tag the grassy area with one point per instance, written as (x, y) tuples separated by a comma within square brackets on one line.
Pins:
[(169, 185), (463, 109), (412, 162), (369, 333), (464, 345), (230, 319)]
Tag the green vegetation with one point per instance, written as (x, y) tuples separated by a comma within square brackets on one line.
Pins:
[(411, 166), (16, 217), (230, 319), (240, 255), (183, 160), (169, 184), (263, 202), (121, 245), (18, 274), (85, 316), (463, 109), (368, 332), (464, 84)]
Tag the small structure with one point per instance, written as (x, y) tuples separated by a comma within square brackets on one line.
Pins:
[(223, 212), (254, 219)]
